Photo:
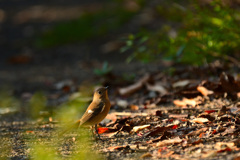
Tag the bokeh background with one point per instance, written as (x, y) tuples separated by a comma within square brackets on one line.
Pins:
[(43, 42)]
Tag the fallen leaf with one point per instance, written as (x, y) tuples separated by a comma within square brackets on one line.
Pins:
[(227, 149), (181, 83), (197, 142), (102, 130), (197, 132), (178, 116), (112, 148), (222, 111), (134, 107), (130, 114), (112, 117), (166, 135), (209, 117), (185, 102), (229, 130), (202, 135), (162, 149), (139, 128), (157, 88), (204, 91), (220, 145), (173, 141), (111, 134), (210, 111), (200, 120), (158, 130), (214, 131)]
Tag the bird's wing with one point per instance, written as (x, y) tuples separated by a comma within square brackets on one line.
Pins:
[(92, 112)]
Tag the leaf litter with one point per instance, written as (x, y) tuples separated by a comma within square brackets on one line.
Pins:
[(160, 116), (185, 119)]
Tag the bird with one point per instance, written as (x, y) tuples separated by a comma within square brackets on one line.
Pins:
[(96, 111)]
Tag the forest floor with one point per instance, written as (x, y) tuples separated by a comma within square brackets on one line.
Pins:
[(158, 111)]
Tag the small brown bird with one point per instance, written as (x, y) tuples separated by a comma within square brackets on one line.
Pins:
[(96, 111)]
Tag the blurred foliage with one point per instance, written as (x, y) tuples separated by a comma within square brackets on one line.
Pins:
[(7, 100), (57, 146), (73, 147), (89, 25), (37, 104), (42, 151), (106, 69), (204, 34), (71, 110)]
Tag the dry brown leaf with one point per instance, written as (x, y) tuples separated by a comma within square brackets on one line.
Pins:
[(229, 130), (200, 120), (139, 128), (176, 140), (181, 83), (221, 145), (109, 135), (185, 102), (134, 107), (157, 88), (205, 115), (178, 116), (129, 114), (227, 149), (166, 135), (158, 130), (204, 91), (112, 148), (112, 117), (197, 132)]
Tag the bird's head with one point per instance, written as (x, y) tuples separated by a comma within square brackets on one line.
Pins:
[(101, 93)]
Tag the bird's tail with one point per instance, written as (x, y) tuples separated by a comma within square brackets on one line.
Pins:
[(69, 128)]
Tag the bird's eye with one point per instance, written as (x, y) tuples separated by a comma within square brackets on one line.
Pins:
[(99, 92)]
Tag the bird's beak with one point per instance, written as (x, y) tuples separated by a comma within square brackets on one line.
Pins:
[(106, 87)]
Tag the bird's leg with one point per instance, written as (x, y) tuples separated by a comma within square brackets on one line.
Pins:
[(97, 131)]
